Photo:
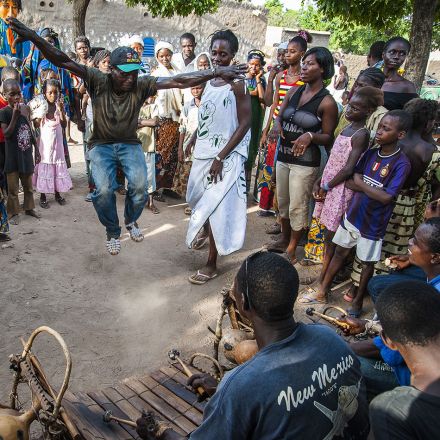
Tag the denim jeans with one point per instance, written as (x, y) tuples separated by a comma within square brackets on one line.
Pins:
[(105, 159), (379, 376), (379, 283)]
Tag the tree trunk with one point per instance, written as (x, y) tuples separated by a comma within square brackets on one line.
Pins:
[(79, 10), (421, 39)]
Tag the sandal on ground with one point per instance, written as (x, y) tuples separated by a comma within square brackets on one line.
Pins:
[(273, 229), (32, 213), (306, 281), (44, 204), (154, 209), (113, 246), (310, 297), (273, 247), (306, 262), (354, 313), (200, 278), (187, 210), (159, 197), (4, 237), (263, 213), (134, 231), (61, 200), (348, 298)]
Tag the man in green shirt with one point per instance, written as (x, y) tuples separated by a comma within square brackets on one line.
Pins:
[(117, 98)]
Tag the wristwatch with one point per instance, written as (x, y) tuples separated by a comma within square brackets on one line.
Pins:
[(218, 158), (214, 72)]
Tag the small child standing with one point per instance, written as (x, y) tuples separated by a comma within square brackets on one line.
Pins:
[(378, 178), (19, 163), (148, 120), (331, 195), (51, 175), (189, 120)]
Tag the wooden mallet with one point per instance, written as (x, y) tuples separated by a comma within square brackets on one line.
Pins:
[(108, 417), (174, 356)]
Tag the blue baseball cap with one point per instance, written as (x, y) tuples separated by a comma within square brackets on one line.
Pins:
[(125, 59)]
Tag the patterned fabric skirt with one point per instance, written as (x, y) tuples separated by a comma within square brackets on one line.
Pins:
[(4, 225), (167, 138), (314, 249), (395, 242), (264, 182), (181, 177)]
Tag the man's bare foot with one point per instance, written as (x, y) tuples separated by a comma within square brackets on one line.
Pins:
[(122, 191), (280, 246), (14, 220), (291, 254), (32, 213), (203, 275), (72, 141), (313, 296)]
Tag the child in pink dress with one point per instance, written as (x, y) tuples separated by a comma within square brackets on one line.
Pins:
[(331, 194), (51, 175)]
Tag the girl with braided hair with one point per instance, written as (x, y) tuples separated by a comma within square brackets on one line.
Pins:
[(51, 175)]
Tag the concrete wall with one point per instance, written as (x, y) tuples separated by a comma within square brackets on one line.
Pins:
[(108, 20)]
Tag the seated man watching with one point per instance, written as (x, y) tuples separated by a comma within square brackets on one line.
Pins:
[(409, 313), (421, 263), (424, 254), (304, 383)]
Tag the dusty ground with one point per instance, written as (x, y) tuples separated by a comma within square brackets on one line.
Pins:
[(118, 315)]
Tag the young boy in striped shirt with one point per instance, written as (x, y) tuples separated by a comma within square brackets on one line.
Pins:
[(377, 180)]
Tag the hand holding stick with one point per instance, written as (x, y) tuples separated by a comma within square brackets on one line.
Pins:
[(174, 356)]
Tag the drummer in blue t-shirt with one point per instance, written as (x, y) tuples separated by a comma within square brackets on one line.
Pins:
[(304, 383)]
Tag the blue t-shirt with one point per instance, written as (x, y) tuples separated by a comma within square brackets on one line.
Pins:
[(392, 357), (389, 173), (307, 386)]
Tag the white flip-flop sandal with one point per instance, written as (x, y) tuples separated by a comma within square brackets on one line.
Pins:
[(204, 280)]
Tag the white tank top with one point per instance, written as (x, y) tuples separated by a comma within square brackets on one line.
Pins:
[(217, 123)]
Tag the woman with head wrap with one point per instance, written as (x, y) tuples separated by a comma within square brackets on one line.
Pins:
[(203, 61), (256, 85), (169, 103), (137, 43)]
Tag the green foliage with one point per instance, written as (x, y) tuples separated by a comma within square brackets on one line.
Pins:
[(169, 8), (279, 17), (352, 36), (379, 14)]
